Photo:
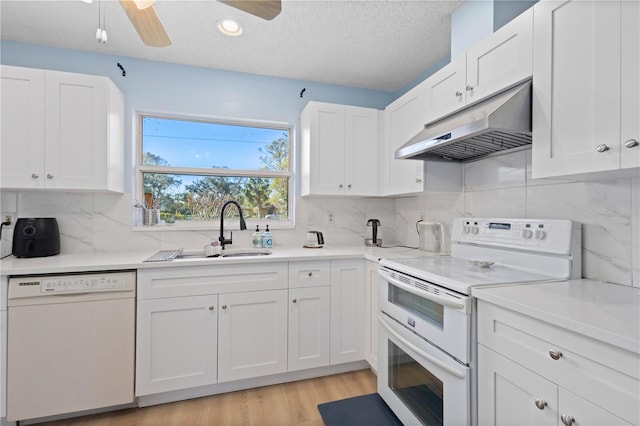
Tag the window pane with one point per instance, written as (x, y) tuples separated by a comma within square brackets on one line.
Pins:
[(188, 197), (182, 143)]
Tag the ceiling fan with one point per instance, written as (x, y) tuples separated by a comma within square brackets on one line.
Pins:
[(146, 22)]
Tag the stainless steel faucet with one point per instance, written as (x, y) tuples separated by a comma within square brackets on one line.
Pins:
[(243, 225)]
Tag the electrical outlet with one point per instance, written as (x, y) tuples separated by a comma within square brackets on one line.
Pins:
[(8, 217), (331, 218)]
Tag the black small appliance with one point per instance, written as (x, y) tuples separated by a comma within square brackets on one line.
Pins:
[(36, 237)]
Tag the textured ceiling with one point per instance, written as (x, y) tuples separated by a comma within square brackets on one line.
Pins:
[(380, 45)]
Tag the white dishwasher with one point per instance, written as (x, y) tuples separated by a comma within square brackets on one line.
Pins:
[(71, 343)]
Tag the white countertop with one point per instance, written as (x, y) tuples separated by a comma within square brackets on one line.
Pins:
[(106, 261), (603, 311)]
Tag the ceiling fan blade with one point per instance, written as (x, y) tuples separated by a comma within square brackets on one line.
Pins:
[(147, 24), (265, 9)]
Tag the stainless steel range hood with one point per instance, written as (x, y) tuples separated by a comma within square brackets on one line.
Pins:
[(495, 124)]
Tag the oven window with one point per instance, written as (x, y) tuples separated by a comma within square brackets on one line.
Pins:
[(424, 308), (418, 389)]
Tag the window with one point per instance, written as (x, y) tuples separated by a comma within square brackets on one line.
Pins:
[(187, 170)]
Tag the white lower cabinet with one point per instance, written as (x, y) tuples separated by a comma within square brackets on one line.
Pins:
[(252, 334), (531, 372), (309, 312), (347, 311), (177, 343)]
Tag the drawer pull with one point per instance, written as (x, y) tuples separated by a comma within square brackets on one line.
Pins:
[(541, 403), (310, 274), (295, 300), (211, 308), (224, 306), (567, 420), (555, 354)]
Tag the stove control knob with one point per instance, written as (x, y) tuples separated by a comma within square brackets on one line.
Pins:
[(474, 230), (465, 229), (526, 233), (540, 234)]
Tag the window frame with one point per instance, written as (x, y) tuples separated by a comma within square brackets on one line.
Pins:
[(140, 169)]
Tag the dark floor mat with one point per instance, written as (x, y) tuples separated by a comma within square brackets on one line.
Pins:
[(365, 410)]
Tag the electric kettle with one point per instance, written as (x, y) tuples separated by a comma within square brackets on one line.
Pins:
[(373, 233), (315, 239)]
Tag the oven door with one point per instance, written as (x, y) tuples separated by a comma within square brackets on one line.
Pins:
[(441, 316), (420, 383)]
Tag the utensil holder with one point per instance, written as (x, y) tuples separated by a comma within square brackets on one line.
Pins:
[(151, 217)]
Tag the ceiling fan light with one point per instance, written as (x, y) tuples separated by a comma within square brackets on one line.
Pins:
[(143, 4), (229, 27)]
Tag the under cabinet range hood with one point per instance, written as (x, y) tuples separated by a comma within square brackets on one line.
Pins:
[(495, 124)]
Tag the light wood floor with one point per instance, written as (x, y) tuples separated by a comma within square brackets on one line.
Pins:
[(292, 403)]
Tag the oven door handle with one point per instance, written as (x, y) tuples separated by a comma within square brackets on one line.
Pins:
[(447, 301), (427, 357)]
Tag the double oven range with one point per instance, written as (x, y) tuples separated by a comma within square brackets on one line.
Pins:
[(427, 358)]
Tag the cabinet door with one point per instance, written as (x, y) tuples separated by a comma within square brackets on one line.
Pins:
[(405, 117), (630, 119), (76, 117), (507, 393), (576, 95), (323, 143), (347, 311), (252, 334), (502, 59), (309, 327), (361, 151), (176, 343), (583, 412), (446, 89), (371, 315), (22, 130)]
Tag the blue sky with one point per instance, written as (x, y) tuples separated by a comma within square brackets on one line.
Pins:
[(196, 144)]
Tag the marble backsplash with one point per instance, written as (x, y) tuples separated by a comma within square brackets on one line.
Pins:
[(499, 186)]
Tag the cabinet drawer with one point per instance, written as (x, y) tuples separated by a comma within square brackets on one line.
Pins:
[(593, 370), (194, 281), (310, 273)]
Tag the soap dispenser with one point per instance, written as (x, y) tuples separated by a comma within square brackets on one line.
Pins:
[(257, 238), (267, 241)]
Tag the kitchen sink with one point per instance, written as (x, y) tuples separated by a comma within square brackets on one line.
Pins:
[(195, 255)]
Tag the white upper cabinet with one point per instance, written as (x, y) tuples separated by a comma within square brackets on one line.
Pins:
[(403, 119), (586, 92), (61, 131), (339, 150), (501, 60)]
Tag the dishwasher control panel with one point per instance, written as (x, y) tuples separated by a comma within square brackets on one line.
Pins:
[(42, 285), (82, 283)]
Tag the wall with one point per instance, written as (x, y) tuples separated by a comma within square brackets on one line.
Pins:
[(501, 186), (102, 222)]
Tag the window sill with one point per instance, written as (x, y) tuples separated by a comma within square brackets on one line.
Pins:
[(230, 225)]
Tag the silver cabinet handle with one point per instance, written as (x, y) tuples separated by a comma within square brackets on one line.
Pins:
[(541, 403), (224, 306), (469, 88), (295, 300), (340, 186), (49, 176), (418, 180), (310, 274), (567, 420), (555, 354), (35, 175), (349, 186), (211, 308), (602, 148), (631, 143), (458, 93)]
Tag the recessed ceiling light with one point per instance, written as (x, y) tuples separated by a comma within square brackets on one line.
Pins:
[(229, 27)]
